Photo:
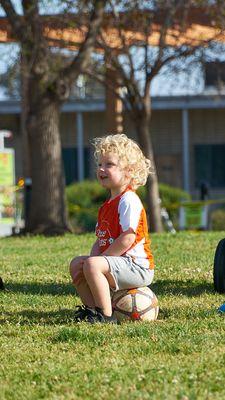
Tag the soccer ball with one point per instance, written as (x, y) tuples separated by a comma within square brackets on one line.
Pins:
[(139, 304)]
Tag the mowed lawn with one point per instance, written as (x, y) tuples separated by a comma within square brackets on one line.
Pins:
[(45, 355)]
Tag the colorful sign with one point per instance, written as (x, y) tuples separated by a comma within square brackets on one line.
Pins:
[(7, 194), (6, 167), (193, 216)]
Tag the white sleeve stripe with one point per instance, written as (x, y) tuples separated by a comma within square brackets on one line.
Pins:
[(129, 209)]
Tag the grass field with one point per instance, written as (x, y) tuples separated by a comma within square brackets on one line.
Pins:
[(45, 355)]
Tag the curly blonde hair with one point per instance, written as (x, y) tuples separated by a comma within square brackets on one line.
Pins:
[(129, 154)]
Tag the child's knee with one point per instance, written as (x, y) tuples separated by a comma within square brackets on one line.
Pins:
[(92, 266), (71, 266), (74, 265), (88, 266)]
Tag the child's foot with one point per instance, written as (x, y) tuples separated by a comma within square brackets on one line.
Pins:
[(82, 313), (98, 317), (221, 309)]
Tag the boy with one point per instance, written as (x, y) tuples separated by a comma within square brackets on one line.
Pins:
[(120, 257)]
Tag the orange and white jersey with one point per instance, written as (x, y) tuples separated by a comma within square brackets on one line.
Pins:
[(118, 215)]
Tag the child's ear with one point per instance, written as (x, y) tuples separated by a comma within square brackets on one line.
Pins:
[(128, 172)]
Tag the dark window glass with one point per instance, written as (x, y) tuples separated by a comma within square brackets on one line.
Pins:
[(69, 156), (215, 73), (210, 164)]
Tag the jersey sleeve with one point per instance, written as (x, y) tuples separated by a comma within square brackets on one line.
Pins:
[(129, 209)]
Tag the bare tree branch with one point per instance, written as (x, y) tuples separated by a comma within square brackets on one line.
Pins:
[(81, 61), (16, 22)]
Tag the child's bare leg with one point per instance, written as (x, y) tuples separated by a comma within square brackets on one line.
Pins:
[(79, 281), (99, 279)]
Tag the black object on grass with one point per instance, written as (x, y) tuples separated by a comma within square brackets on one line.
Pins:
[(2, 287), (219, 267)]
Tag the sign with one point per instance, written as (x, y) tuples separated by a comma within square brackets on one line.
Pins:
[(6, 167), (7, 195), (193, 216)]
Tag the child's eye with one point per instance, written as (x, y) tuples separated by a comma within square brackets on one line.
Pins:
[(99, 165), (110, 164)]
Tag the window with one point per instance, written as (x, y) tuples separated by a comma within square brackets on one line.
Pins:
[(215, 74), (69, 156), (210, 164)]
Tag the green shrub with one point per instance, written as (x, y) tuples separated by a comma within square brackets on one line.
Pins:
[(84, 199), (83, 219), (85, 194), (218, 220), (170, 199), (169, 195)]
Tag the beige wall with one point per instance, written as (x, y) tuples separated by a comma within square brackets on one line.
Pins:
[(94, 125), (166, 131), (166, 134), (205, 126)]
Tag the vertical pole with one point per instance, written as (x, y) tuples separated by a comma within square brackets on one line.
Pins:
[(185, 150), (26, 160), (80, 147)]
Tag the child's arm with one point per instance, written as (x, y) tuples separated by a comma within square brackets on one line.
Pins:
[(121, 244), (95, 251)]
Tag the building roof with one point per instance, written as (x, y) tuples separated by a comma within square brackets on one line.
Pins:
[(158, 103)]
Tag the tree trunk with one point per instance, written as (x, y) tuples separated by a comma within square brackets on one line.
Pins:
[(153, 200), (47, 211)]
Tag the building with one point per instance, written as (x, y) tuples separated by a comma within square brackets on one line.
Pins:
[(188, 134)]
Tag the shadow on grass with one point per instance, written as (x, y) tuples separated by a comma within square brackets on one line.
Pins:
[(187, 288), (31, 317), (53, 289)]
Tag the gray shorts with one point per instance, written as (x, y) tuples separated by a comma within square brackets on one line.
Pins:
[(127, 274)]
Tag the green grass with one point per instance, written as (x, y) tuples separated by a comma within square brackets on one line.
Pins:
[(45, 355)]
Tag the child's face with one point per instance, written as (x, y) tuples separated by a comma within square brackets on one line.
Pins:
[(110, 173)]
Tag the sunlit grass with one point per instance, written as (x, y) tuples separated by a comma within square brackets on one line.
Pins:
[(45, 355)]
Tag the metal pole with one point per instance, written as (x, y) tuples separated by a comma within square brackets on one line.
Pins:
[(185, 150)]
